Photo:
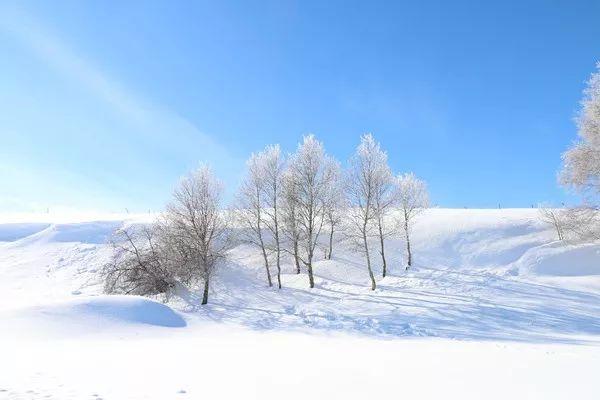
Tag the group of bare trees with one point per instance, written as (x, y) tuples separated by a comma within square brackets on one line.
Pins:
[(573, 224), (297, 204), (286, 205), (185, 245)]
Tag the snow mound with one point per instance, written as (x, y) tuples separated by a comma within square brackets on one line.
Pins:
[(96, 232), (15, 231), (92, 315), (557, 259)]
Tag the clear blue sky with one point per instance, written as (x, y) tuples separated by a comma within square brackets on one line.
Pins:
[(103, 105)]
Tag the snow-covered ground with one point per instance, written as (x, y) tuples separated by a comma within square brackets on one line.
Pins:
[(493, 309)]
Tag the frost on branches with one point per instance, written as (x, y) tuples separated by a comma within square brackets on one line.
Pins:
[(581, 163)]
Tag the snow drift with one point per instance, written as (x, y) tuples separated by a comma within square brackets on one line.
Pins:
[(90, 315), (478, 274), (558, 259)]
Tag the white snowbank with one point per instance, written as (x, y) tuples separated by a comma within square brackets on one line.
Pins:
[(559, 259), (89, 315)]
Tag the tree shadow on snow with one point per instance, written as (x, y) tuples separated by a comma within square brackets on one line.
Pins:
[(429, 302)]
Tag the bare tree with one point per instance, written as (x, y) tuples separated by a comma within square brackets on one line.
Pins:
[(384, 199), (581, 163), (367, 173), (334, 205), (139, 264), (311, 174), (273, 165), (251, 204), (581, 224), (555, 218), (194, 219), (291, 230), (413, 198)]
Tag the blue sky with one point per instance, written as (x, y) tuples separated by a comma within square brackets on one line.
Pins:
[(105, 104)]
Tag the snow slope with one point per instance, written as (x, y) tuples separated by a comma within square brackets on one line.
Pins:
[(526, 310)]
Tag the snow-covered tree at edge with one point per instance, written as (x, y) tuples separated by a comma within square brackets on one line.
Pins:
[(581, 163), (413, 198)]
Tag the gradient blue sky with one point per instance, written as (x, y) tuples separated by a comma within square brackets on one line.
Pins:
[(103, 105)]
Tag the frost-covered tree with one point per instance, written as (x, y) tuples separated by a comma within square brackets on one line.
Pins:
[(581, 224), (195, 221), (367, 176), (413, 198), (272, 165), (335, 206), (290, 216), (139, 263), (310, 175), (554, 217), (385, 198), (581, 163), (251, 205)]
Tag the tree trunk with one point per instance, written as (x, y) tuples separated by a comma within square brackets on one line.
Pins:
[(296, 258), (266, 264), (382, 251), (558, 230), (311, 279), (205, 294), (408, 251), (409, 254), (373, 285), (330, 244), (407, 245), (277, 243), (278, 267), (260, 238)]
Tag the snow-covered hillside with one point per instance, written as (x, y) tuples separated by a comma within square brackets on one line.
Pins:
[(526, 310)]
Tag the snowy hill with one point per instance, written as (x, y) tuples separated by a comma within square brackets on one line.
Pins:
[(494, 276)]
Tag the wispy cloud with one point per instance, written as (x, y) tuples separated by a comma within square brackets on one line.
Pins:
[(55, 53), (174, 135)]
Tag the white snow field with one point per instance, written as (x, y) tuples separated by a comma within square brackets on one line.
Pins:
[(493, 309)]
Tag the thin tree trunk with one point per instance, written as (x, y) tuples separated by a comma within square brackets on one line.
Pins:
[(558, 230), (277, 244), (382, 251), (205, 294), (265, 257), (278, 251), (260, 238), (296, 257), (330, 243), (407, 244), (278, 266), (266, 264), (408, 250), (311, 279), (373, 285)]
